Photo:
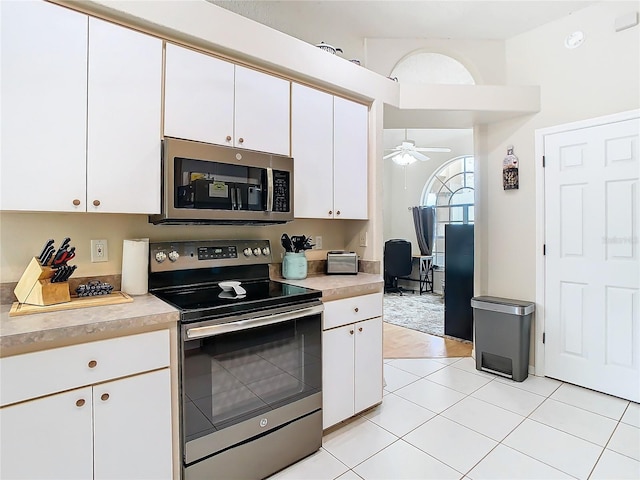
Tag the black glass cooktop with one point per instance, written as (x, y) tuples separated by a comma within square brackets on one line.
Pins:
[(208, 302)]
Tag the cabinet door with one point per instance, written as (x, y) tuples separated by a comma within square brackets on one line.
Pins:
[(44, 107), (132, 427), (368, 364), (350, 175), (48, 438), (312, 151), (337, 374), (198, 96), (124, 112), (261, 111)]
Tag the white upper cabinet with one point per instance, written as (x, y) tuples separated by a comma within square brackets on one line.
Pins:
[(329, 137), (198, 93), (312, 151), (213, 101), (124, 115), (44, 107), (262, 111), (350, 173)]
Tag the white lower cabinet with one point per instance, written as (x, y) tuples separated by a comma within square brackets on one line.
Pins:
[(116, 429), (351, 359)]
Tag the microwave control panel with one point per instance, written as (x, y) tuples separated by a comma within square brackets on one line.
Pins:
[(281, 191)]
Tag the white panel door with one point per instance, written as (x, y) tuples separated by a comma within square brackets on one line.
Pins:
[(368, 364), (337, 374), (124, 116), (592, 297), (44, 107), (350, 177), (262, 112), (198, 96), (48, 438), (312, 151), (132, 427)]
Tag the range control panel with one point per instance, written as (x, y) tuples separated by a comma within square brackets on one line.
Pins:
[(186, 255)]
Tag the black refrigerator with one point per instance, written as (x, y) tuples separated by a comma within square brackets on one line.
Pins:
[(458, 281)]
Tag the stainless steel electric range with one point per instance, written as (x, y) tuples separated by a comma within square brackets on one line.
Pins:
[(250, 358)]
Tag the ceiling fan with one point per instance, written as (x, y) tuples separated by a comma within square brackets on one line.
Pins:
[(406, 153)]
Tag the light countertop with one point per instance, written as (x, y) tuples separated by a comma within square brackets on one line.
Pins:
[(335, 287)]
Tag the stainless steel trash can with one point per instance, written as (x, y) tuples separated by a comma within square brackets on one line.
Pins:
[(503, 329)]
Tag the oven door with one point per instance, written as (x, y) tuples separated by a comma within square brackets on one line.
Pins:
[(244, 376)]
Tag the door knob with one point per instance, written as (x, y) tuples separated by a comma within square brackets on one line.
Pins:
[(104, 397), (96, 203), (76, 202), (80, 402)]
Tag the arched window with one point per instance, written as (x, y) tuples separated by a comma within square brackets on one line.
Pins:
[(451, 191), (432, 68)]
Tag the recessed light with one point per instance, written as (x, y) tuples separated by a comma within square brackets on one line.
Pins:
[(574, 40)]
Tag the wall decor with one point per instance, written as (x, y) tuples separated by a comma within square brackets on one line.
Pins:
[(510, 180)]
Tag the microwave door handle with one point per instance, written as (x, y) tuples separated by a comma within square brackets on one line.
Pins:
[(233, 198), (239, 198), (269, 189)]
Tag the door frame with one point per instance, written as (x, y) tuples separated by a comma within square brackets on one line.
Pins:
[(540, 135)]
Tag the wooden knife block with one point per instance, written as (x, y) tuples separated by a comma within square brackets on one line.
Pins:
[(35, 287)]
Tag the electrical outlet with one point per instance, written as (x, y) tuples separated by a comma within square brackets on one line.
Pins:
[(318, 245), (363, 239), (99, 251)]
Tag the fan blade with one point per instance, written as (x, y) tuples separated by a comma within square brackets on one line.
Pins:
[(390, 155), (394, 149), (419, 156), (433, 149)]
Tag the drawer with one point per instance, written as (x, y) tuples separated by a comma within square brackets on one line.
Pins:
[(350, 310), (32, 375)]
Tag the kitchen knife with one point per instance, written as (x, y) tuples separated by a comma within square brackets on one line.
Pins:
[(61, 250), (56, 276), (45, 249), (67, 272), (47, 256)]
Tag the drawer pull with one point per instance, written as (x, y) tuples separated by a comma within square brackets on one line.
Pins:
[(228, 138), (338, 212), (351, 332), (93, 364), (96, 203), (76, 202), (356, 309), (104, 397), (241, 140), (360, 329), (330, 212), (80, 403)]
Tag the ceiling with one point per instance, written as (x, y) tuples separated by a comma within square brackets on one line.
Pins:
[(314, 21)]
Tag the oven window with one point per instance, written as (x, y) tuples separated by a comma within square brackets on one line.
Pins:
[(232, 377)]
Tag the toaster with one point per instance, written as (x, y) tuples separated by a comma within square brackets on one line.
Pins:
[(340, 262)]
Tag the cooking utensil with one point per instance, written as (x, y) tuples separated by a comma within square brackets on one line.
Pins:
[(233, 287), (286, 243), (45, 249), (61, 250)]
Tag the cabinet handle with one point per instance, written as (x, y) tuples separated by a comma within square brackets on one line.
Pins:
[(96, 203), (80, 403), (338, 212), (104, 397), (76, 202), (356, 309), (240, 140), (351, 332), (93, 364), (228, 138), (360, 329), (330, 212)]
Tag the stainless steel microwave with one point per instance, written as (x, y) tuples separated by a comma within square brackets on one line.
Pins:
[(212, 184)]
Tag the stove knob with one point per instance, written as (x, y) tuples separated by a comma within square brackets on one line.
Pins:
[(173, 255), (161, 257), (256, 252), (266, 251), (247, 252)]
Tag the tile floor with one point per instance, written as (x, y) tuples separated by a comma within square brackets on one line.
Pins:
[(442, 419)]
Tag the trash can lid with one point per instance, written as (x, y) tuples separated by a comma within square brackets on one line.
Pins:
[(503, 305)]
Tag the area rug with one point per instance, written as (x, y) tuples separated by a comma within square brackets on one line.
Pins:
[(424, 313)]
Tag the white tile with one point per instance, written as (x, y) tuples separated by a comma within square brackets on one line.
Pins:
[(510, 398), (626, 440), (540, 385), (357, 441), (596, 402), (321, 465), (632, 415), (417, 366), (505, 463), (350, 475), (459, 380), (404, 461), (451, 443), (396, 378), (483, 417), (397, 415), (430, 395), (561, 450), (448, 360), (468, 364), (612, 465), (581, 423)]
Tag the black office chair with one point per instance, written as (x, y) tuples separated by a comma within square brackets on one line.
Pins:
[(397, 263)]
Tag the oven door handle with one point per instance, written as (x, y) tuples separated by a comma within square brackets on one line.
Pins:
[(212, 330)]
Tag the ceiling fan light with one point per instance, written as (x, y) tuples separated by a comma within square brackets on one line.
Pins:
[(403, 159)]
